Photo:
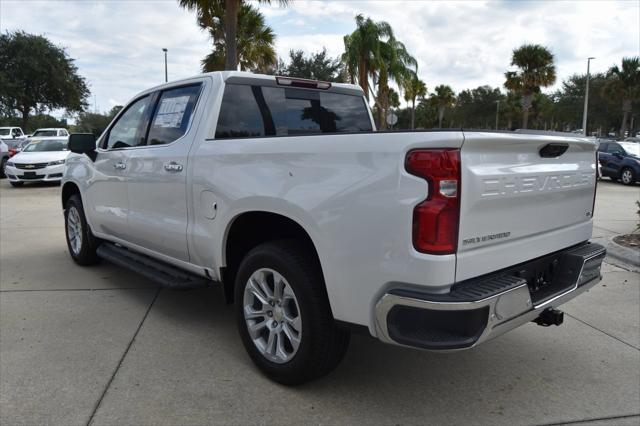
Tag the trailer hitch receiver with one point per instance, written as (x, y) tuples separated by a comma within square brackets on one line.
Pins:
[(550, 316)]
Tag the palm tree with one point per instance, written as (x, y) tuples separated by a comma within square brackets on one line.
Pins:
[(536, 69), (510, 109), (623, 84), (444, 98), (204, 10), (362, 50), (372, 51), (394, 63), (255, 41), (414, 88)]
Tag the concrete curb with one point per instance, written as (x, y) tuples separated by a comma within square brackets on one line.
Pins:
[(625, 254)]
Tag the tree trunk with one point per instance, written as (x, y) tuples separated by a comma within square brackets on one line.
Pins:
[(440, 116), (382, 110), (623, 126), (626, 108), (230, 29), (25, 118), (526, 105), (363, 78), (413, 114), (525, 117)]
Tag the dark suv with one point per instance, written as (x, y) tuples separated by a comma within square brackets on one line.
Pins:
[(620, 160)]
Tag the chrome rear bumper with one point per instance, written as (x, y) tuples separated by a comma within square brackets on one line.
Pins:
[(483, 308)]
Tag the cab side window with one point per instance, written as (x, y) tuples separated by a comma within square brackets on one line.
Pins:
[(128, 131), (173, 114)]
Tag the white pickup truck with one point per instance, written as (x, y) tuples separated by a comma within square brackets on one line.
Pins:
[(315, 224)]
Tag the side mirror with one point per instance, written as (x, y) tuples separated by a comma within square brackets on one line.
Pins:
[(82, 143)]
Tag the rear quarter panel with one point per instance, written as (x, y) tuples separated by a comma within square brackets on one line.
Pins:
[(349, 192)]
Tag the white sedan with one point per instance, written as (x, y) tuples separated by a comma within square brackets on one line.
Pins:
[(40, 161)]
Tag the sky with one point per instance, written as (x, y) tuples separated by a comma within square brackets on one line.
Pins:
[(117, 44)]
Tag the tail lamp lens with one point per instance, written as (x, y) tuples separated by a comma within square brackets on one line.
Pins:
[(436, 220)]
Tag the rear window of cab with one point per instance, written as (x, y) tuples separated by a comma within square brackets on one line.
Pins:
[(255, 111)]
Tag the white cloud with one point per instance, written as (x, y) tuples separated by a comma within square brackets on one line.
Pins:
[(310, 43), (298, 22), (117, 45), (467, 44)]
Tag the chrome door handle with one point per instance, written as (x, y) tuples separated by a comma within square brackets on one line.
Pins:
[(173, 167), (120, 166)]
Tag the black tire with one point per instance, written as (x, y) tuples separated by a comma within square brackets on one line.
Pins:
[(3, 164), (16, 184), (86, 254), (628, 181), (323, 343)]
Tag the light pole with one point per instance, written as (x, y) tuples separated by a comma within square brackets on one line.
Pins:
[(166, 76), (586, 99), (497, 112)]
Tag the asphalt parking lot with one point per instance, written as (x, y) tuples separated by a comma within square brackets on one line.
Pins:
[(102, 345)]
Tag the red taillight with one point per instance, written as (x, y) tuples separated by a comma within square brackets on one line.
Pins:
[(436, 219)]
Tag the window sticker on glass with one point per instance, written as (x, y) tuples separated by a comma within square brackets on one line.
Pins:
[(171, 111)]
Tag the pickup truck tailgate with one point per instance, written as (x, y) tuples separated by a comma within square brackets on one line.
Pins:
[(518, 203)]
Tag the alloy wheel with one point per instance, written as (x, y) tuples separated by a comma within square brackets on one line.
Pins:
[(74, 230), (272, 315)]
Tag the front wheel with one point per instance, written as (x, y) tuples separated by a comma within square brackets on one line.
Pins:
[(283, 314), (16, 184), (628, 177), (80, 241)]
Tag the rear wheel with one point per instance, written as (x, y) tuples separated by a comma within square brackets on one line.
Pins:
[(283, 314), (628, 177), (80, 241)]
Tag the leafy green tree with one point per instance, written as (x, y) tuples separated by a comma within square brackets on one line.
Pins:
[(37, 76), (476, 108), (395, 63), (40, 121), (208, 11), (362, 50), (372, 51), (414, 88), (317, 66), (95, 123), (255, 41), (36, 121), (623, 85), (444, 98), (604, 111), (535, 70), (394, 98)]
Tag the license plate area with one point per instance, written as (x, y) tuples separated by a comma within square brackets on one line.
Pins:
[(543, 277), (30, 175), (557, 273)]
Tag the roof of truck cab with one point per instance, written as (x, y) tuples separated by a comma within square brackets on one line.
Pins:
[(240, 77)]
